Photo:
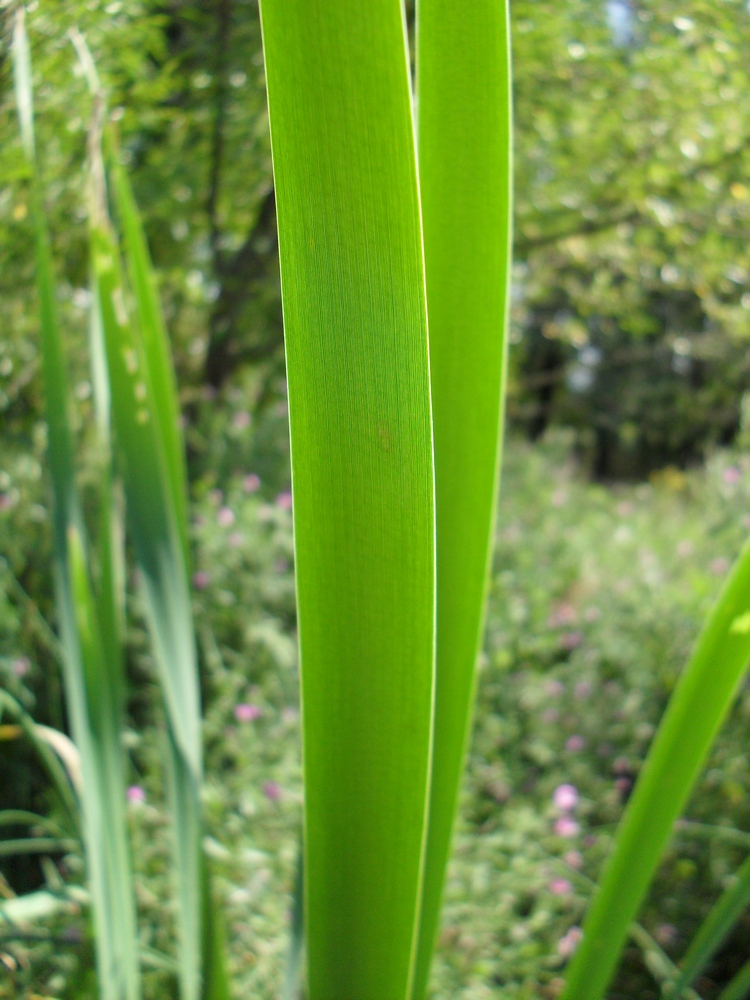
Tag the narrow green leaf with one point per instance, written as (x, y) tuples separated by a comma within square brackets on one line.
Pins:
[(694, 715), (37, 845), (357, 366), (295, 954), (145, 417), (47, 756), (155, 342), (739, 987), (464, 144), (21, 817), (713, 931), (104, 784), (93, 683)]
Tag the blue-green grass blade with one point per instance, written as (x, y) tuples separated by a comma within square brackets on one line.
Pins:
[(464, 152), (714, 930), (739, 987), (362, 477), (693, 717)]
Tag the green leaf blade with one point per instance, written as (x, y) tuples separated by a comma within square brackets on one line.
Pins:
[(714, 929), (694, 715), (464, 142), (357, 367)]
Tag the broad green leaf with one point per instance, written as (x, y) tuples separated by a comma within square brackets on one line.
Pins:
[(361, 440), (694, 715), (713, 931), (464, 151)]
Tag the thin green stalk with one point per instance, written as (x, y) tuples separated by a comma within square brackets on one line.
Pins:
[(464, 146), (694, 715), (361, 439), (739, 987), (714, 930), (37, 845)]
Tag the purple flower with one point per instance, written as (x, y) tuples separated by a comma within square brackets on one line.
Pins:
[(284, 500), (215, 497), (201, 579), (136, 794), (566, 826), (568, 944), (235, 540), (251, 483), (225, 517), (560, 887), (555, 689), (574, 859), (575, 743), (565, 797), (247, 713), (241, 420), (272, 791), (550, 715)]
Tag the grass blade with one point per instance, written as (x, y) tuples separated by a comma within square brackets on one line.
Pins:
[(464, 142), (144, 412), (694, 715), (714, 929), (93, 683), (49, 759), (357, 366), (739, 987)]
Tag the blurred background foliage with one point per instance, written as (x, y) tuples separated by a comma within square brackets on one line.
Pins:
[(630, 352), (631, 277)]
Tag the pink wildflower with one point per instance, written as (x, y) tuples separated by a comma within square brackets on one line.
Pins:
[(574, 859), (225, 517), (560, 887), (566, 826), (571, 640), (575, 743), (272, 791), (582, 690), (20, 666), (568, 944), (251, 483), (201, 579), (235, 540), (247, 713), (719, 566), (555, 689), (565, 797), (731, 475), (136, 794), (284, 500)]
